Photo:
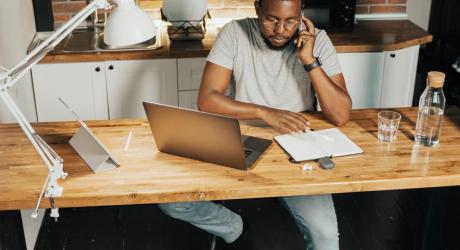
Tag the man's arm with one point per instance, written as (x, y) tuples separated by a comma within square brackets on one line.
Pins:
[(212, 99), (332, 93)]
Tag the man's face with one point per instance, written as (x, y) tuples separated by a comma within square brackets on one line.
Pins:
[(279, 20)]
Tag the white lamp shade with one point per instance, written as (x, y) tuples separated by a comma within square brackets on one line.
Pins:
[(127, 25), (184, 10)]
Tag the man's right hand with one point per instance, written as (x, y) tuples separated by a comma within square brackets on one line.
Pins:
[(284, 121)]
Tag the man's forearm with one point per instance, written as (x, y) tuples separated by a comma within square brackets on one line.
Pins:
[(215, 102), (334, 100)]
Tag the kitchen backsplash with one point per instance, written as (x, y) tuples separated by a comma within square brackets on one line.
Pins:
[(64, 9)]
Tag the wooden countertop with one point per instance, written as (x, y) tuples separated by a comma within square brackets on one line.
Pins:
[(367, 36), (148, 176)]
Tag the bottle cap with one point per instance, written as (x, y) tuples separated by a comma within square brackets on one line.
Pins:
[(436, 79)]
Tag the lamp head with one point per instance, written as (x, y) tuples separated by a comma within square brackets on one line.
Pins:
[(127, 25)]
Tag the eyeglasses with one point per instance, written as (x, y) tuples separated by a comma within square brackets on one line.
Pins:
[(273, 23)]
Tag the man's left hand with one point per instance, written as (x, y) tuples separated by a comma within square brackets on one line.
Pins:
[(306, 42)]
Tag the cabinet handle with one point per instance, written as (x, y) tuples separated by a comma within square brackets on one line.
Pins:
[(111, 67), (97, 69), (393, 55)]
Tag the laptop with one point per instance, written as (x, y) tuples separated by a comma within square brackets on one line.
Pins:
[(203, 136)]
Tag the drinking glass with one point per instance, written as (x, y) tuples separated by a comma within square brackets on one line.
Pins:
[(388, 123)]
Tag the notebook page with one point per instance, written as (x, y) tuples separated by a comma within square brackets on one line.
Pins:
[(302, 146), (336, 143), (313, 145)]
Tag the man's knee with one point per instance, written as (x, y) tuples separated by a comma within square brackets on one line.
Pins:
[(180, 210)]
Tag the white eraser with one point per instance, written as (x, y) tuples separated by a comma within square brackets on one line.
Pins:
[(306, 167)]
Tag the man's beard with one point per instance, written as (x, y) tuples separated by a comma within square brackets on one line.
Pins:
[(271, 46)]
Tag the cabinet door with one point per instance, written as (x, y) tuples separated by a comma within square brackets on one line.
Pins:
[(190, 72), (188, 99), (81, 85), (22, 94), (363, 76), (129, 83), (399, 72)]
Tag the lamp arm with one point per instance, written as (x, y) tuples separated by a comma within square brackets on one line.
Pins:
[(47, 45), (25, 126), (8, 77), (53, 161)]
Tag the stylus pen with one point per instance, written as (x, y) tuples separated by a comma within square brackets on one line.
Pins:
[(128, 140)]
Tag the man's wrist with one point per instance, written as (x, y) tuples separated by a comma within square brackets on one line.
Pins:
[(311, 66), (308, 60), (260, 112)]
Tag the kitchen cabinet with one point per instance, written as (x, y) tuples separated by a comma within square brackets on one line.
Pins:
[(81, 85), (103, 90), (363, 76), (380, 79), (190, 72), (23, 95), (116, 89), (400, 68), (188, 99), (129, 83)]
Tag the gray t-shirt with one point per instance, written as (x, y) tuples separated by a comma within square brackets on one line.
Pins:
[(272, 78)]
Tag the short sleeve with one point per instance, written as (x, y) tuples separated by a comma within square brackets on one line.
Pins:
[(224, 49), (325, 51)]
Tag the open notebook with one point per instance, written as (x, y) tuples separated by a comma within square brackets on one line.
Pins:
[(314, 145)]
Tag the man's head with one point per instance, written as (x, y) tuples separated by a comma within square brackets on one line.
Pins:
[(278, 20)]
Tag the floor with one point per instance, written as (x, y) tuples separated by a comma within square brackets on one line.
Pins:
[(372, 220)]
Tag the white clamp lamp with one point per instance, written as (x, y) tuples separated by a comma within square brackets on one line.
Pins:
[(127, 25)]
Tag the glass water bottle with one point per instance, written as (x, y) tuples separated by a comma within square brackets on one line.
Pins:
[(430, 110)]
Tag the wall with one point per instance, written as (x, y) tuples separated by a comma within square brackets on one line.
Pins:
[(63, 9), (419, 12)]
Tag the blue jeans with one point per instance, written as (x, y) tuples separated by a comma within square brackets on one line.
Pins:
[(314, 215)]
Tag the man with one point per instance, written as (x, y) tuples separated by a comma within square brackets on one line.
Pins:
[(275, 74)]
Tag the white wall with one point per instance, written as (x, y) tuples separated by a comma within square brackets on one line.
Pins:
[(17, 29), (419, 12)]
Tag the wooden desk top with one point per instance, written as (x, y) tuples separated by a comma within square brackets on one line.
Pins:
[(148, 176), (367, 36)]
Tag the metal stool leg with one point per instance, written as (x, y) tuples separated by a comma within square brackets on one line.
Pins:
[(213, 242)]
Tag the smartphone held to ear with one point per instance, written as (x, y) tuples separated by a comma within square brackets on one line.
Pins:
[(301, 28), (302, 25)]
